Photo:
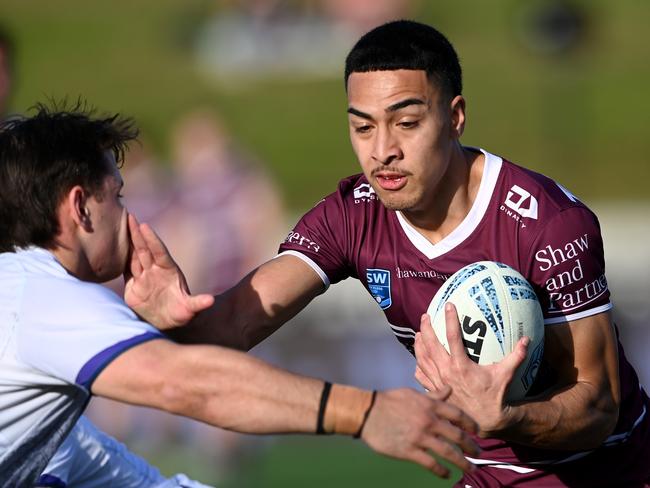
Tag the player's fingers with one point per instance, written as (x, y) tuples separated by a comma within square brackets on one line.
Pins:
[(428, 462), (456, 435), (139, 244), (424, 380), (157, 247), (425, 362), (135, 267), (454, 336), (440, 394), (431, 339), (447, 451), (513, 360), (455, 415), (198, 303)]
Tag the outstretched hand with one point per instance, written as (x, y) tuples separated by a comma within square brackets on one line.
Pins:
[(408, 425), (479, 390), (155, 287)]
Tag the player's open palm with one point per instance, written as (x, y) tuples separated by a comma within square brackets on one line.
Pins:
[(479, 390), (408, 425), (155, 287)]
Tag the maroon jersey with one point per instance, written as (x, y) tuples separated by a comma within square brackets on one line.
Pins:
[(519, 218)]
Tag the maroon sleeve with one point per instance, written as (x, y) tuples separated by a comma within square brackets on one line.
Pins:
[(567, 267), (321, 236)]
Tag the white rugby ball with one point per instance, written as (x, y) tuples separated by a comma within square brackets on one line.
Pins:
[(496, 307)]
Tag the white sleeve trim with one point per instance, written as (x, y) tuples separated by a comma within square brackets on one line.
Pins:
[(312, 264), (579, 315)]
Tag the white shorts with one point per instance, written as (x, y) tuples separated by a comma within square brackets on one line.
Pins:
[(88, 458)]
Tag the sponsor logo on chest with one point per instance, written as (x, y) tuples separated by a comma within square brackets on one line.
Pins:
[(364, 193), (568, 288), (416, 273), (519, 204), (379, 286)]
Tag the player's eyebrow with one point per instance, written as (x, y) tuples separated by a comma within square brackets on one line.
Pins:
[(405, 103), (359, 113), (392, 108)]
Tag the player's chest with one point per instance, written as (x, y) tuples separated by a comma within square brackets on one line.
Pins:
[(402, 279)]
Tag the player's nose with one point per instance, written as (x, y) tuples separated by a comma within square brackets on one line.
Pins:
[(386, 147)]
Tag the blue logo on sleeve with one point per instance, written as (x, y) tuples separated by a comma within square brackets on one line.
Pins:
[(379, 286)]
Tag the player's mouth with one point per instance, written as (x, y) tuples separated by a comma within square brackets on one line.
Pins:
[(391, 181)]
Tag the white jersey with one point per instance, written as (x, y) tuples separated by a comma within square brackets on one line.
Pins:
[(57, 333), (88, 458)]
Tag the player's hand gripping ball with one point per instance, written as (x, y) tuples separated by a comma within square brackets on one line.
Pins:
[(496, 307)]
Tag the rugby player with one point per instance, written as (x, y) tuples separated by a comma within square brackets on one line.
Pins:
[(64, 337), (423, 207)]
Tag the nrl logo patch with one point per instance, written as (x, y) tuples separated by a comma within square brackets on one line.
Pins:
[(379, 285)]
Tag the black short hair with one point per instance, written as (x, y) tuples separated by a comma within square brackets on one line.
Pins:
[(44, 156), (405, 44)]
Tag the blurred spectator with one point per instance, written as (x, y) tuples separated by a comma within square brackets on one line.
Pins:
[(363, 15), (220, 216), (281, 38), (148, 190), (553, 27), (226, 216)]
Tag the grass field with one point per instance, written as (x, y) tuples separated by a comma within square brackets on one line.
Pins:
[(299, 462)]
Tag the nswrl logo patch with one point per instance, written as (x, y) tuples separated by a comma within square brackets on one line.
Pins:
[(379, 285)]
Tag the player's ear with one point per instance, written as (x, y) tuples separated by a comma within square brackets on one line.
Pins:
[(457, 108), (77, 201)]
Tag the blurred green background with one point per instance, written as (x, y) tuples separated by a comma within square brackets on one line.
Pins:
[(580, 116)]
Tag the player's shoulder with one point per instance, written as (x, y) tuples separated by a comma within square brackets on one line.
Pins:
[(42, 283), (538, 198)]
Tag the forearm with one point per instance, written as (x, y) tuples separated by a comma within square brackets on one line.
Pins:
[(223, 324), (257, 306), (228, 389), (578, 417), (236, 391), (242, 393)]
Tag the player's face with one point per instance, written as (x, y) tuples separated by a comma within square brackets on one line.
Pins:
[(403, 133), (107, 246)]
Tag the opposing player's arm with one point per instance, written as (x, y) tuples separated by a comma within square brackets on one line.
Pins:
[(582, 409), (257, 306), (236, 391)]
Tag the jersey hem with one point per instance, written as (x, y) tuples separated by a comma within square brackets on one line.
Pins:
[(579, 315)]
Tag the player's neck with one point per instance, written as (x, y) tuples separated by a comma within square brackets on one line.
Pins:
[(74, 262), (453, 199)]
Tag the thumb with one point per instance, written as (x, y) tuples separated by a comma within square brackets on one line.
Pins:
[(513, 360), (197, 303), (441, 393)]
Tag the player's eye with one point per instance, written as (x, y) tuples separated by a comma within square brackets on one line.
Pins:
[(362, 129), (408, 124)]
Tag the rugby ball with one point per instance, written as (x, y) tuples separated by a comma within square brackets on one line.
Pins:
[(496, 307)]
